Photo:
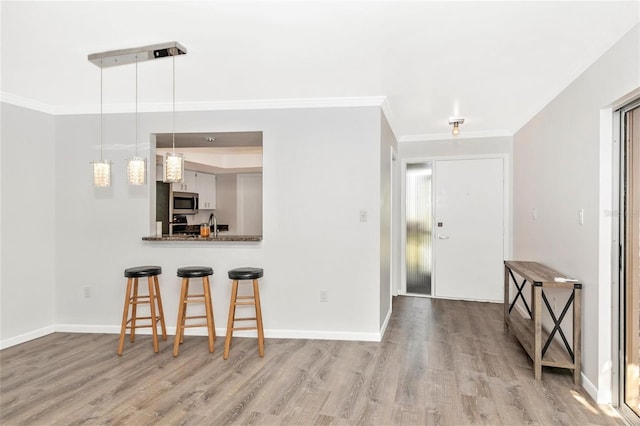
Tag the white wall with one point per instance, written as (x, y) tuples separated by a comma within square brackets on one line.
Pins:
[(226, 201), (560, 166), (456, 147), (249, 189), (27, 225), (321, 167)]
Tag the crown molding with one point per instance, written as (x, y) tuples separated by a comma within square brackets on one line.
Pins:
[(386, 110), (123, 108), (20, 101), (378, 101), (462, 135)]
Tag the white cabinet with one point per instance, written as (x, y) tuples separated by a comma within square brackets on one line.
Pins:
[(188, 184), (202, 183), (206, 188)]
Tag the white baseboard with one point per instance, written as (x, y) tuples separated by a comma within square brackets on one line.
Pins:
[(321, 335), (591, 389), (100, 329), (600, 396), (22, 338), (465, 299), (385, 324), (273, 334)]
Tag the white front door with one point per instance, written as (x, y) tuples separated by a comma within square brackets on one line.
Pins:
[(469, 227)]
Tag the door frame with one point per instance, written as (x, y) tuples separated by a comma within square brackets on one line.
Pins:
[(618, 266), (507, 205)]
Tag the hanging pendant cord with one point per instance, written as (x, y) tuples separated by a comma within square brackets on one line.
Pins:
[(100, 110), (136, 105)]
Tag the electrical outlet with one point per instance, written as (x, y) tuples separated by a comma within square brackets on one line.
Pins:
[(363, 215), (324, 296), (87, 292), (581, 216)]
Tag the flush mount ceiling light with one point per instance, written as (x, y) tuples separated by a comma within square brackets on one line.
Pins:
[(136, 168), (456, 122)]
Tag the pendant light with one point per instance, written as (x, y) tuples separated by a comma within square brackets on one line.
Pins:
[(102, 168), (137, 166), (173, 171)]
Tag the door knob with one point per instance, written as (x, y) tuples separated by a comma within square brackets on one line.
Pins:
[(443, 237)]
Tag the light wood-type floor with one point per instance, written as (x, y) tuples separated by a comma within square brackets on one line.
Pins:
[(441, 362)]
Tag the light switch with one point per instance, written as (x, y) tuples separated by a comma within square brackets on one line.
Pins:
[(363, 215), (534, 213), (581, 216)]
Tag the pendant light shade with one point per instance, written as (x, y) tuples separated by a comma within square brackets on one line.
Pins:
[(101, 173), (173, 167), (137, 171)]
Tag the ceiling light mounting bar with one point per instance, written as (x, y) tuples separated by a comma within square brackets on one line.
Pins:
[(144, 53)]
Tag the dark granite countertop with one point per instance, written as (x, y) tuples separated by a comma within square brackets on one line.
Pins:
[(183, 237)]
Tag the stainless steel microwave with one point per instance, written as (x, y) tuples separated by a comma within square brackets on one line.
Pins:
[(185, 202)]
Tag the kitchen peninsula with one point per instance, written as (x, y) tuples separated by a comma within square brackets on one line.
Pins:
[(185, 237)]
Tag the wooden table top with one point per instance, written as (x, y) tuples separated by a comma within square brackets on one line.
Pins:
[(539, 274)]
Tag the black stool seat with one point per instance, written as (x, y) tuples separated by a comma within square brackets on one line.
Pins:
[(195, 271), (246, 273), (142, 271)]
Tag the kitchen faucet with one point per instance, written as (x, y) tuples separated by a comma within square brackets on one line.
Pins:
[(213, 220)]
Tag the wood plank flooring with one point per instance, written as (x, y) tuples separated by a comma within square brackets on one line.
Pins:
[(441, 362)]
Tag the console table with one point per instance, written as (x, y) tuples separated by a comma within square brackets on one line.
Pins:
[(539, 344)]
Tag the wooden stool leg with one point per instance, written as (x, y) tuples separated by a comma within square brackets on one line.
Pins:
[(184, 312), (134, 310), (232, 314), (256, 296), (125, 316), (160, 310), (211, 331), (182, 307), (152, 308)]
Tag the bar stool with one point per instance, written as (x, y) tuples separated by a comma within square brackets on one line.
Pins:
[(133, 299), (185, 298), (237, 275)]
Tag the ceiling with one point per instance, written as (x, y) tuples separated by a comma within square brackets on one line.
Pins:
[(494, 63)]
